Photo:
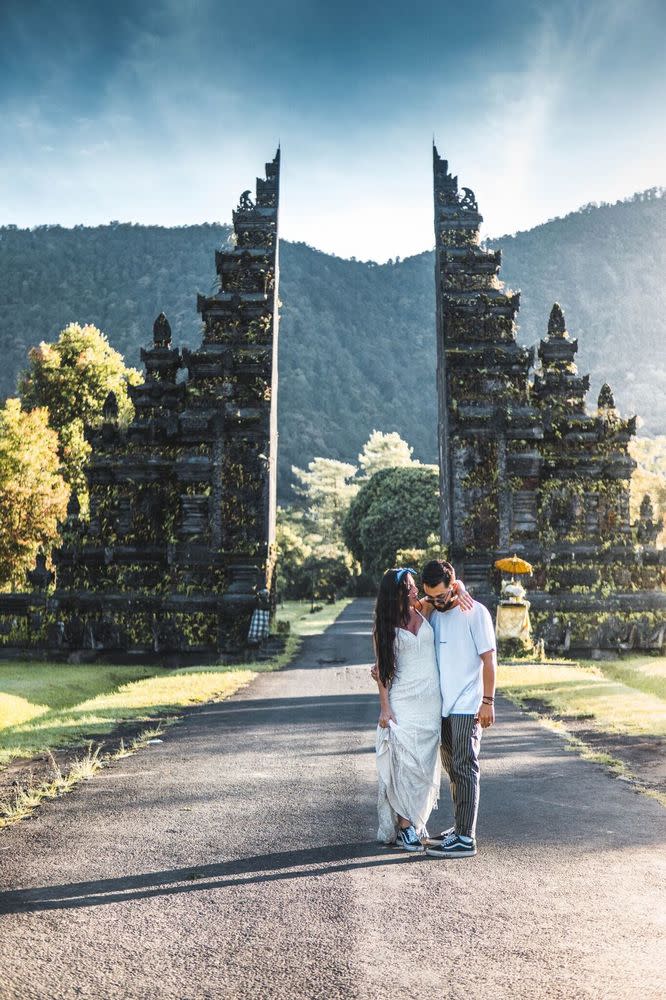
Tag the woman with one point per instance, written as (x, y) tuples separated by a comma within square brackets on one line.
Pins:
[(410, 721)]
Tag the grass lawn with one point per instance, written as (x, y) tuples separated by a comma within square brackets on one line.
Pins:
[(49, 705), (623, 696), (644, 673)]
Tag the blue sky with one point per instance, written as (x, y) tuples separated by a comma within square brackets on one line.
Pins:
[(163, 111)]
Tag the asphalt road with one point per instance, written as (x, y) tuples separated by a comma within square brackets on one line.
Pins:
[(237, 859)]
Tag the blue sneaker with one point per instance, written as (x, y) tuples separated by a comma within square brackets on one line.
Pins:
[(453, 846), (408, 840)]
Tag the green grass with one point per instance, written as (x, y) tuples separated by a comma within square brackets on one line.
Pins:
[(617, 697), (24, 799), (50, 705), (297, 613), (644, 673)]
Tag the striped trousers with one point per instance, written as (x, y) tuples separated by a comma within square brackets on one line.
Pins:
[(461, 743)]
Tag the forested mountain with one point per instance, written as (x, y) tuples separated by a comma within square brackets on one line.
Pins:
[(357, 340)]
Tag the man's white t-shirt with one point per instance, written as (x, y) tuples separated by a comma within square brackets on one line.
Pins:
[(460, 638)]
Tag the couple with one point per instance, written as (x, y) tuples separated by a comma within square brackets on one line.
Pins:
[(435, 668)]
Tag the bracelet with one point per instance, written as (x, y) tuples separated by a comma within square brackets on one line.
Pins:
[(487, 700)]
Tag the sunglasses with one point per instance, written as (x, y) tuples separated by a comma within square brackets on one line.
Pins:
[(440, 598)]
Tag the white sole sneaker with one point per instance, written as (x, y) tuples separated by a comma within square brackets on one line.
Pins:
[(456, 852), (399, 845)]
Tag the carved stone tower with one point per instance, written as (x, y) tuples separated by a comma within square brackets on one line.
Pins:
[(525, 467), (487, 428), (235, 372), (179, 547)]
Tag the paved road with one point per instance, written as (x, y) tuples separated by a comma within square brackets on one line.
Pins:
[(237, 859)]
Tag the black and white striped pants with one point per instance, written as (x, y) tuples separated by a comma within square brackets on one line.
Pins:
[(461, 743)]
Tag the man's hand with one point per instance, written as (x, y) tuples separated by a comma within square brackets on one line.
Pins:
[(374, 673), (386, 716), (485, 715)]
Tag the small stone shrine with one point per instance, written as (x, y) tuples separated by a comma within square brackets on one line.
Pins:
[(525, 467), (179, 547)]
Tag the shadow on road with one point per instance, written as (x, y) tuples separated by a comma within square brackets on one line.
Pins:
[(313, 861)]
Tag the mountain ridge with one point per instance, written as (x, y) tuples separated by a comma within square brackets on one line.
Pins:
[(357, 339)]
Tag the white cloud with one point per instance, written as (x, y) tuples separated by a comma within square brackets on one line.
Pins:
[(174, 137)]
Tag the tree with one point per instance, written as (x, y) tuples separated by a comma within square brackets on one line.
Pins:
[(325, 492), (384, 451), (72, 379), (312, 539), (649, 476), (33, 493), (292, 549), (312, 559), (394, 509), (305, 568), (321, 578)]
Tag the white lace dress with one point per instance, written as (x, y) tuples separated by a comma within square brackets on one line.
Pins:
[(408, 760)]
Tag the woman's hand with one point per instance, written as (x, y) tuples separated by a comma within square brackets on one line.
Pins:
[(465, 600), (386, 716)]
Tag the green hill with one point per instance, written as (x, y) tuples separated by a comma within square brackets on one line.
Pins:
[(357, 341)]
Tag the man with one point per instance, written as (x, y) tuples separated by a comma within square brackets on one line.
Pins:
[(465, 648)]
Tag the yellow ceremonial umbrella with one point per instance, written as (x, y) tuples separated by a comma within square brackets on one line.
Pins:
[(513, 565)]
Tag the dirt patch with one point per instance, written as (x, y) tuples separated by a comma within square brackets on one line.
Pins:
[(24, 771), (644, 756)]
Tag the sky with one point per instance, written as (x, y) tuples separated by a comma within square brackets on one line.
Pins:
[(164, 111)]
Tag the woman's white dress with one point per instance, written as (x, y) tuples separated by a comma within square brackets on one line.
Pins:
[(408, 761)]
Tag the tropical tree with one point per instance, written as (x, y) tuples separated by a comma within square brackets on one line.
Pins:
[(72, 378), (384, 451), (33, 492), (394, 509), (325, 491), (292, 549), (314, 556)]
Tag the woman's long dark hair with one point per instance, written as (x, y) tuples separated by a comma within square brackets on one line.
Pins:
[(391, 612)]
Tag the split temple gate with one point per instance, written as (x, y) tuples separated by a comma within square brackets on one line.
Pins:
[(179, 548), (525, 467), (178, 551)]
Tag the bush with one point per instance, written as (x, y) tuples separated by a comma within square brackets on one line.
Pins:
[(396, 509), (322, 578)]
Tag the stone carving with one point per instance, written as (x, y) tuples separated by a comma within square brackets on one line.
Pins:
[(647, 526), (162, 331), (606, 400), (162, 363), (245, 204), (73, 506), (40, 577), (110, 408), (556, 324)]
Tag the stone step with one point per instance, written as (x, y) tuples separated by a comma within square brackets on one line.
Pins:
[(477, 576)]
